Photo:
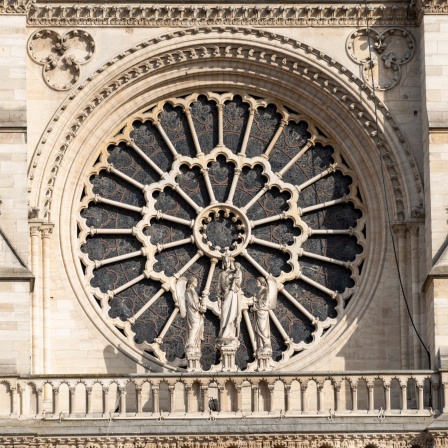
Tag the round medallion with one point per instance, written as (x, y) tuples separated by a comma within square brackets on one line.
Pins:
[(222, 229)]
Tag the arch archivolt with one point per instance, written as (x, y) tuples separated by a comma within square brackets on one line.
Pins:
[(269, 65), (162, 54)]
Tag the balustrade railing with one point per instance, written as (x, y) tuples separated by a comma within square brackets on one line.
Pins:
[(221, 395)]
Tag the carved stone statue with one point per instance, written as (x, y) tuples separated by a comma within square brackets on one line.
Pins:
[(229, 297), (261, 308), (191, 307)]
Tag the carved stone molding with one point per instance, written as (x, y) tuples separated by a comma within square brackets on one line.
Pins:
[(61, 56), (208, 15), (330, 14), (356, 440), (381, 54)]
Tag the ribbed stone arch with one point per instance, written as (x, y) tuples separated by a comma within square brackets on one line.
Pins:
[(297, 76)]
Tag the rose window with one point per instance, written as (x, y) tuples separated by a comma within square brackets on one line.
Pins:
[(192, 180)]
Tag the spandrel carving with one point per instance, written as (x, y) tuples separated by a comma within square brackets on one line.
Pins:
[(381, 55)]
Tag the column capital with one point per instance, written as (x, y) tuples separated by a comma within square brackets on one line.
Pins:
[(400, 229), (46, 230)]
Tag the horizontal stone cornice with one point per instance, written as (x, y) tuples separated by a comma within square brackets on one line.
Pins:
[(99, 13)]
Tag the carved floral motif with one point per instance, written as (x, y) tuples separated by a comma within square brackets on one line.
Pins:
[(61, 56)]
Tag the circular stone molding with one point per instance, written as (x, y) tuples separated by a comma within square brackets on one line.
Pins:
[(192, 181)]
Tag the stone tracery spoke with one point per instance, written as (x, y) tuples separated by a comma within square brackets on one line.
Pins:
[(219, 214), (119, 204), (313, 208), (99, 263)]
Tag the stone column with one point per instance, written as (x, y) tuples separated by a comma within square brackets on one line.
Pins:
[(271, 388), (46, 231), (56, 406), (13, 391), (404, 397), (89, 399), (155, 398), (37, 306), (72, 391), (415, 285), (370, 388), (287, 397), (354, 398), (105, 400), (172, 389), (123, 401), (387, 394), (205, 398), (400, 232), (303, 388), (138, 391), (256, 405)]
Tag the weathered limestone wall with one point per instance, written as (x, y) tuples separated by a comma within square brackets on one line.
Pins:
[(435, 146), (14, 284)]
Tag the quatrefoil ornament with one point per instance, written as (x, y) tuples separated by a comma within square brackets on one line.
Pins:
[(381, 54), (61, 56)]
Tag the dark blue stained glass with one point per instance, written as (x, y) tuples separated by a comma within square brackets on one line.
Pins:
[(175, 340), (235, 116), (336, 217), (175, 124), (110, 186), (295, 323), (128, 302), (147, 137), (315, 301), (221, 174), (272, 203), (340, 247), (191, 180), (244, 354), (265, 124), (271, 260), (125, 159), (205, 118), (152, 321), (209, 353), (162, 231), (114, 275), (100, 247), (104, 216), (172, 203), (281, 232), (313, 162), (172, 260)]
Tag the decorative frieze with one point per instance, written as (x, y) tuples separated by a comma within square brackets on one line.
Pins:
[(309, 440)]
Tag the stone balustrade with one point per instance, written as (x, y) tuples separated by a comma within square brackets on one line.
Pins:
[(221, 395)]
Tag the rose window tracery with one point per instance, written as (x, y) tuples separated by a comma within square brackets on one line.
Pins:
[(192, 180)]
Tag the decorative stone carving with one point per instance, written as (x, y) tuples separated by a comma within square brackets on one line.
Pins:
[(258, 15), (382, 54), (264, 301), (190, 181), (191, 307), (61, 56)]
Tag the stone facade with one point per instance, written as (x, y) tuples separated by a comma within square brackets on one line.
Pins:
[(150, 153)]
